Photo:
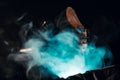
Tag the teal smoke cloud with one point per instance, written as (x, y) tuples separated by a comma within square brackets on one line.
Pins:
[(63, 56)]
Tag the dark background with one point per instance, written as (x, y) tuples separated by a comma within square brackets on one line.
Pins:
[(100, 17)]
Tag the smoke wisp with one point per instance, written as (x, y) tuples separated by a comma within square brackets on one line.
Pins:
[(62, 55)]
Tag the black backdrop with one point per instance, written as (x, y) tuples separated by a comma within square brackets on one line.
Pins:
[(101, 17)]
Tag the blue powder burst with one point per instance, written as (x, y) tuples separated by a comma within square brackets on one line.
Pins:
[(63, 56)]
